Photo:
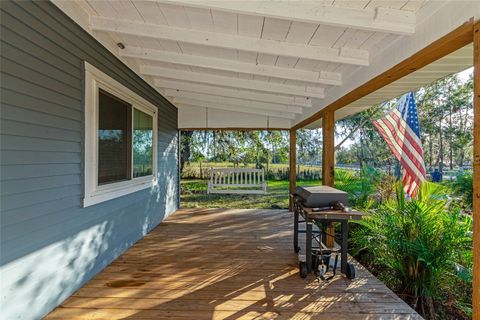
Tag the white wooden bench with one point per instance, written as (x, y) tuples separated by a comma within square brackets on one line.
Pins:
[(237, 181)]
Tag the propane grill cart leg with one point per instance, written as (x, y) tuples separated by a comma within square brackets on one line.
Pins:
[(295, 231), (344, 246), (324, 230), (347, 268), (308, 237)]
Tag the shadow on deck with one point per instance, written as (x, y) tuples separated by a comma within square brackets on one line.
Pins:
[(225, 264)]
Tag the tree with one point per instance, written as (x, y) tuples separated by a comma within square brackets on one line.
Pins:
[(445, 116), (185, 148)]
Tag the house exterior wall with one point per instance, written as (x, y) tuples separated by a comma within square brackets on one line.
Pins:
[(50, 245)]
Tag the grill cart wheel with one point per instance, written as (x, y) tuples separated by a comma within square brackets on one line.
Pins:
[(303, 269), (322, 270), (350, 271)]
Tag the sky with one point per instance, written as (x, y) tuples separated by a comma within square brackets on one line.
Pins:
[(465, 74)]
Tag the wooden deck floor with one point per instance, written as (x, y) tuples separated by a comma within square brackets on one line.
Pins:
[(225, 264)]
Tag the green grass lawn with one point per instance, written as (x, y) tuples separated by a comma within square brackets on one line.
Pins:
[(194, 195)]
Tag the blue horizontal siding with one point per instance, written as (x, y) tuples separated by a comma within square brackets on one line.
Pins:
[(22, 129), (16, 172), (39, 103), (50, 245)]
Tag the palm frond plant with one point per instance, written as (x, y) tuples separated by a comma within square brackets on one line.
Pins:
[(359, 186), (419, 242), (462, 186)]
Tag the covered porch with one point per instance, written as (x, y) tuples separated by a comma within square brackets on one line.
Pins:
[(195, 65), (225, 264)]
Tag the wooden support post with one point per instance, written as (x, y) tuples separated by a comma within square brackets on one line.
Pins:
[(476, 172), (328, 163), (293, 166), (328, 152)]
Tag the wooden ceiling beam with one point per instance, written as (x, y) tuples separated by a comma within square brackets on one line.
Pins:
[(322, 77), (228, 41), (233, 93), (316, 92), (378, 19), (232, 102), (198, 104)]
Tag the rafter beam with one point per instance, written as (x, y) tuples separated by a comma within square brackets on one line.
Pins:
[(187, 102), (233, 93), (316, 92), (228, 41), (322, 77), (241, 103), (452, 41), (378, 19)]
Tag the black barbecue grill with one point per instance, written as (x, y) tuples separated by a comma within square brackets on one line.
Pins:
[(321, 206)]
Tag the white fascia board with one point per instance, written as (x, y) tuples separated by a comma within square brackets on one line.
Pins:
[(199, 117)]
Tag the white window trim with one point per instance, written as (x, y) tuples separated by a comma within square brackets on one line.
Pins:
[(95, 80)]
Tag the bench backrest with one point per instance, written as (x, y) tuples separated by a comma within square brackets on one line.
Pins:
[(236, 177)]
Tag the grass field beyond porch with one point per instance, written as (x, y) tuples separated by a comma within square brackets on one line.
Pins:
[(194, 195)]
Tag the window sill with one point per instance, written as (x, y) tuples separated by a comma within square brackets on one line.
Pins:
[(116, 190)]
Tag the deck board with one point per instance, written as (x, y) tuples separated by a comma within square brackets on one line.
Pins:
[(225, 264)]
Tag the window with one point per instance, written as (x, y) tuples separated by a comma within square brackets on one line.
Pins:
[(114, 138), (120, 139), (142, 144)]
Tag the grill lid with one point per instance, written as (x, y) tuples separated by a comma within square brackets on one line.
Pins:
[(320, 196)]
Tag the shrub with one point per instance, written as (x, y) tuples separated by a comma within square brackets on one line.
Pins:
[(367, 188), (419, 241), (462, 186)]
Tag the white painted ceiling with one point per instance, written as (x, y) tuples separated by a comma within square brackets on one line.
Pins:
[(249, 63)]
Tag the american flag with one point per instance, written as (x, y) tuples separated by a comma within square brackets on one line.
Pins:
[(401, 131)]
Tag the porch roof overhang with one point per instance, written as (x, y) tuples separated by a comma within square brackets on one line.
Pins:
[(454, 62), (275, 64)]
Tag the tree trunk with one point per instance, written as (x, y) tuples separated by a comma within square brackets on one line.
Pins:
[(440, 151), (464, 127), (430, 149), (185, 148), (461, 158), (273, 153), (450, 139), (206, 143), (266, 172), (362, 151)]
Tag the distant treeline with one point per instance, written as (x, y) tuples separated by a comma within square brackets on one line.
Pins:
[(201, 170), (445, 116)]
